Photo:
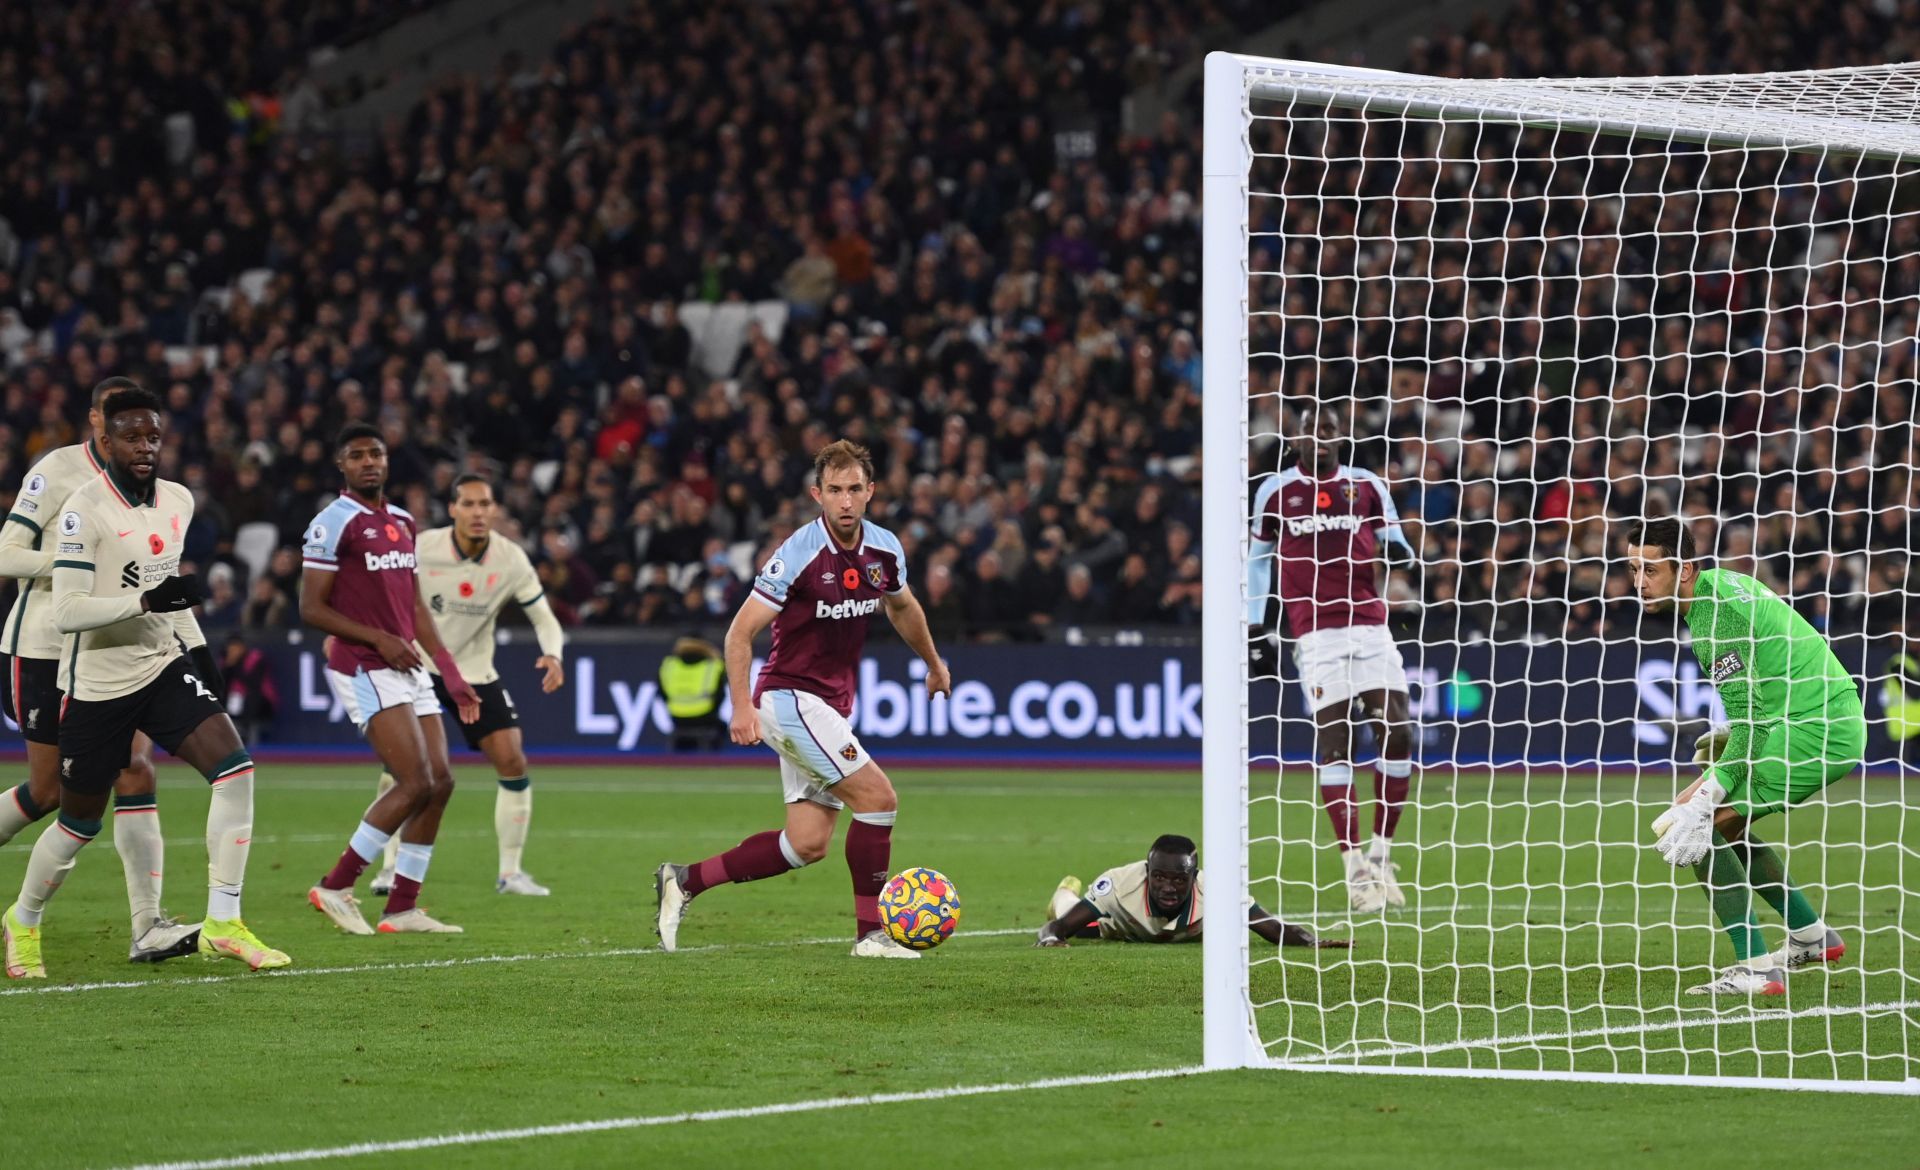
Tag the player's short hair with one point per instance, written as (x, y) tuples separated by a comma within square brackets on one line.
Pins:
[(113, 385), (841, 455), (1173, 843), (357, 430), (136, 398), (1669, 535), (470, 477)]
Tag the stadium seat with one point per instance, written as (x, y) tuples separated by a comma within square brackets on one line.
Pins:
[(254, 545)]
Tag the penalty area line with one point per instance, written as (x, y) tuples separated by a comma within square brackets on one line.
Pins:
[(434, 964), (572, 1128)]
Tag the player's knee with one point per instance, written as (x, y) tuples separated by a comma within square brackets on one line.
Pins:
[(808, 848), (513, 765), (442, 788), (137, 778)]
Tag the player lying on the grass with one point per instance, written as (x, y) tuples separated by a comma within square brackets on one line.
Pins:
[(817, 592), (1795, 726), (1153, 901), (468, 578), (30, 688), (1321, 533), (122, 603), (360, 584)]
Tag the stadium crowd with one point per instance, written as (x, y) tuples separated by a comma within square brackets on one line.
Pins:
[(984, 278)]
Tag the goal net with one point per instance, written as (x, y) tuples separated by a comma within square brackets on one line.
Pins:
[(1540, 311)]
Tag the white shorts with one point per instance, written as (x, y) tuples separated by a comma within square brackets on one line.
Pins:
[(817, 746), (1338, 663), (365, 693)]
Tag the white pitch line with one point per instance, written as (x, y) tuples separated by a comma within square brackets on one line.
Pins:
[(572, 1128), (1769, 1016), (432, 964)]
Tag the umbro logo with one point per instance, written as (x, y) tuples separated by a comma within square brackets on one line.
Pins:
[(130, 576), (826, 578), (368, 533), (1296, 501)]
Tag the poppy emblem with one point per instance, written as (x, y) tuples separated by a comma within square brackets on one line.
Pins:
[(1323, 500), (156, 542), (466, 589), (877, 576), (850, 579), (393, 533)]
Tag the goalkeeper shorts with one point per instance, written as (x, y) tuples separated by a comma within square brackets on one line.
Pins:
[(1797, 757)]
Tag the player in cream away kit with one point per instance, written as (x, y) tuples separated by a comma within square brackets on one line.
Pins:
[(360, 585), (1153, 901), (817, 593), (30, 689), (120, 600), (468, 577), (1319, 530)]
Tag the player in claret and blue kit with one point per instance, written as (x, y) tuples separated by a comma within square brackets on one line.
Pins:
[(1795, 726), (817, 592), (1319, 532)]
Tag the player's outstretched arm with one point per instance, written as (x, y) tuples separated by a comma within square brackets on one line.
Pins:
[(1057, 932), (1281, 934), (903, 610), (754, 616), (316, 610)]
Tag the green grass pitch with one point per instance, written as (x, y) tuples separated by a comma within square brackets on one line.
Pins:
[(577, 1018)]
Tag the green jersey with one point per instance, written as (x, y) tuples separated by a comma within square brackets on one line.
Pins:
[(1766, 661)]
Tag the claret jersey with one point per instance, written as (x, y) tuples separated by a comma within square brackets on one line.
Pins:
[(1328, 534), (372, 551), (826, 594)]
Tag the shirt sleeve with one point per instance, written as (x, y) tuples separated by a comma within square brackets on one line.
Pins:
[(324, 537), (776, 577), (1265, 523), (75, 608), (1389, 514), (20, 554), (1729, 665)]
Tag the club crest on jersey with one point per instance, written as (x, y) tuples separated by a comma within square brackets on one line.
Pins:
[(850, 578), (877, 576), (1727, 665), (1350, 491), (850, 752)]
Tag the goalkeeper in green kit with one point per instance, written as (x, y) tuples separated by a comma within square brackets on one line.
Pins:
[(1795, 726)]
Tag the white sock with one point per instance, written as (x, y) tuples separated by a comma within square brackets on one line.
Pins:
[(229, 838), (1357, 863), (51, 862), (1814, 932), (143, 857), (369, 842), (1379, 849), (512, 812), (413, 860), (13, 813), (388, 784)]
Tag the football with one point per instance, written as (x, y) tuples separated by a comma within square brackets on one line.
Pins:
[(920, 908)]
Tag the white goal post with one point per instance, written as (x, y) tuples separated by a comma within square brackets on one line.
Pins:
[(1545, 308)]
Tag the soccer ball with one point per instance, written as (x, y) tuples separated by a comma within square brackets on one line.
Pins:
[(919, 908)]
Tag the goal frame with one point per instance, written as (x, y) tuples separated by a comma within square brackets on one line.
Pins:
[(1230, 1034)]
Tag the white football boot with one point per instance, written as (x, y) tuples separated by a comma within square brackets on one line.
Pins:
[(520, 883), (1742, 979), (165, 939), (877, 944), (341, 906), (670, 903), (1796, 953), (417, 921), (383, 882), (1365, 894)]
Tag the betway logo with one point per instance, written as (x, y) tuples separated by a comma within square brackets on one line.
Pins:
[(1303, 525), (390, 560), (846, 609)]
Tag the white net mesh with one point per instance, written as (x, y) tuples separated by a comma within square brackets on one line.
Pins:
[(1542, 309)]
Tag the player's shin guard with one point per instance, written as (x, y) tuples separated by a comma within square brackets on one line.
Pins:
[(143, 856), (229, 835), (17, 811), (410, 867), (1336, 793), (869, 853), (1725, 880), (51, 862), (512, 811), (385, 785), (762, 855), (1767, 875)]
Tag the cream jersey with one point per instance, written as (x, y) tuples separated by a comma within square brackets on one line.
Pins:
[(1120, 896), (110, 549), (30, 632), (466, 595)]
